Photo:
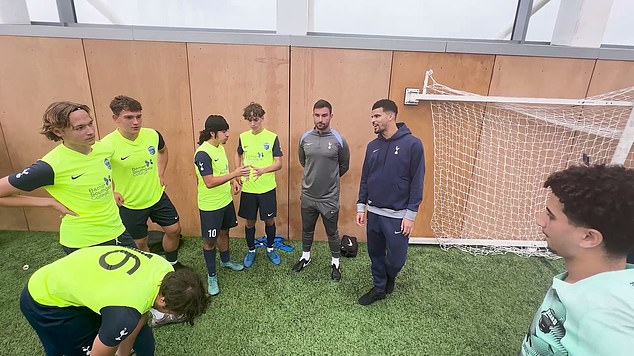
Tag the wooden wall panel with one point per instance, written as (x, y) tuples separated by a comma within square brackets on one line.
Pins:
[(226, 78), (351, 80), (10, 218), (466, 72), (36, 72), (155, 73), (528, 77), (609, 76)]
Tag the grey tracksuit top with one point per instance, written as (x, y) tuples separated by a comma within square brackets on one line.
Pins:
[(325, 157)]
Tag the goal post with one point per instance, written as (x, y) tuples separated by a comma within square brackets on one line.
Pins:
[(492, 155)]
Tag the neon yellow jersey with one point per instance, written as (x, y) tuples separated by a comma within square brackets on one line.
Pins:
[(257, 150), (101, 276), (135, 168), (83, 183), (210, 159)]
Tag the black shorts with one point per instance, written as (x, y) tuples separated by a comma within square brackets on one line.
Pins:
[(250, 203), (72, 330), (163, 213), (124, 240), (211, 222)]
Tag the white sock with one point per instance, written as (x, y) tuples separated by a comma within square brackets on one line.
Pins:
[(269, 249), (335, 261), (306, 255), (252, 250), (157, 314), (173, 263)]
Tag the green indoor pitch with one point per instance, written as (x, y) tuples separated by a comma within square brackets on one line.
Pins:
[(444, 303)]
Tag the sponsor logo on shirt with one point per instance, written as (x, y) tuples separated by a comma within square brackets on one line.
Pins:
[(102, 190), (143, 169), (77, 176)]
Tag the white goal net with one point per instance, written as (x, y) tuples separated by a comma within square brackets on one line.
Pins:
[(491, 159)]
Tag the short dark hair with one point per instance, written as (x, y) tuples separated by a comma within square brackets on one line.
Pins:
[(57, 115), (185, 294), (321, 103), (599, 197), (386, 105), (253, 109), (122, 102)]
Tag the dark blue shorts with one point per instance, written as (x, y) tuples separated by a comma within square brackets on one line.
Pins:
[(72, 330), (250, 203), (163, 213), (63, 331), (211, 222)]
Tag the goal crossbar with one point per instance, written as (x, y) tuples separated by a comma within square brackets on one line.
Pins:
[(414, 95)]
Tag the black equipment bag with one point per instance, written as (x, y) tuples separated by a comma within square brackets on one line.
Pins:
[(349, 246)]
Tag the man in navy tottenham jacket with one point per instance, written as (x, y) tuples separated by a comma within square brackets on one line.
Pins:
[(391, 189)]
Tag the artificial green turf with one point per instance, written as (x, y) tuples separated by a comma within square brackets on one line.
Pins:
[(444, 303)]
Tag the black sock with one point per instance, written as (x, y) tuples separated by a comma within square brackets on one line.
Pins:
[(270, 235), (210, 261), (225, 256), (249, 235), (172, 256)]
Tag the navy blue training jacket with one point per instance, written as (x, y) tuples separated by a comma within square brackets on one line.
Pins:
[(393, 174)]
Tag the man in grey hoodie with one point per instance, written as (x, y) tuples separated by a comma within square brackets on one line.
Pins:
[(325, 156)]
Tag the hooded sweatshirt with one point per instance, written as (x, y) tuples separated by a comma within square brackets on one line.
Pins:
[(392, 175)]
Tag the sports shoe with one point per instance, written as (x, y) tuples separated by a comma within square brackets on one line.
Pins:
[(179, 265), (300, 265), (248, 258), (213, 285), (232, 265), (274, 257), (389, 287), (372, 296), (167, 319), (335, 273)]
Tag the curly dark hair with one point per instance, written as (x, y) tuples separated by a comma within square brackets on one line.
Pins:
[(253, 110), (185, 294), (599, 197)]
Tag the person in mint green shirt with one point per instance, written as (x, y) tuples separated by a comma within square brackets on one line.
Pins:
[(587, 220), (78, 175), (138, 168), (95, 301), (260, 149), (215, 204)]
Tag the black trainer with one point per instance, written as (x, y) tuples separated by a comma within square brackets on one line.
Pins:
[(372, 296), (179, 265), (335, 273), (300, 265), (389, 287)]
